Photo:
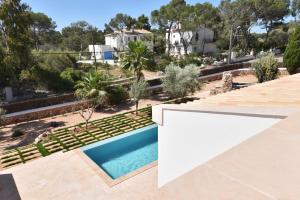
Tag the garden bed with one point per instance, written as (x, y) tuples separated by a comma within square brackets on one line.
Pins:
[(66, 139)]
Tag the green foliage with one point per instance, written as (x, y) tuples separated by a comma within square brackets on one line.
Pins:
[(142, 22), (79, 35), (138, 91), (71, 75), (92, 90), (266, 68), (120, 22), (270, 11), (117, 95), (295, 8), (137, 58), (291, 57), (43, 30), (179, 82), (92, 87), (162, 62), (7, 70), (42, 149), (14, 29), (49, 78), (277, 39), (187, 60), (58, 62)]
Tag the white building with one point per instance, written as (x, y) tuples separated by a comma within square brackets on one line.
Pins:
[(200, 41), (101, 52), (119, 39)]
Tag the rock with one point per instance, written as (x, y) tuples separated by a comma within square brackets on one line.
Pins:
[(42, 137), (226, 82)]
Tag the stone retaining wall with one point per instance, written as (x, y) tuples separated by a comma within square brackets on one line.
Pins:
[(38, 103), (43, 113)]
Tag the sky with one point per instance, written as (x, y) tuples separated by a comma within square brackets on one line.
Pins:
[(97, 12)]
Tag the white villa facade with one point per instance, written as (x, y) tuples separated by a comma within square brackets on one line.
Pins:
[(101, 52), (119, 39), (201, 41)]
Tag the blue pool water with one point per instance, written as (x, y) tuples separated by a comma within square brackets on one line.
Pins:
[(126, 153)]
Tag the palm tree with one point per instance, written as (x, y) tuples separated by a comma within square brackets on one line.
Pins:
[(92, 90), (137, 58)]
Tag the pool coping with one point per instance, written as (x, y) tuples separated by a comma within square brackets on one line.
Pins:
[(100, 172)]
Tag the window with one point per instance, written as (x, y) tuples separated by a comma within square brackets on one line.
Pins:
[(135, 38), (197, 37)]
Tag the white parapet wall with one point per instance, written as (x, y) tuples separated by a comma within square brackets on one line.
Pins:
[(189, 138)]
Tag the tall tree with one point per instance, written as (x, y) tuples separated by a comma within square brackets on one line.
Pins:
[(239, 17), (80, 34), (43, 28), (142, 22), (186, 25), (271, 11), (167, 16), (207, 16), (14, 27), (120, 22)]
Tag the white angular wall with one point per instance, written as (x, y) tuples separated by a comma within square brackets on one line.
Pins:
[(189, 139)]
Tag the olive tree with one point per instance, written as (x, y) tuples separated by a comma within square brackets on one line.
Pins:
[(91, 90), (179, 82), (266, 68), (137, 92)]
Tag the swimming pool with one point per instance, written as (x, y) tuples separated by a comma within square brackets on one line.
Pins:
[(126, 153)]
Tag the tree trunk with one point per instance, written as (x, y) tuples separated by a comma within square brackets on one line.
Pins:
[(5, 38), (136, 107), (185, 49), (203, 41), (230, 46), (86, 124), (169, 35)]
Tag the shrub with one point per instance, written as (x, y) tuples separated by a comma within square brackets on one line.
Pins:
[(180, 82), (188, 60), (291, 57), (162, 62), (266, 68), (17, 133), (55, 124), (50, 79), (138, 91), (117, 95), (58, 62), (71, 75)]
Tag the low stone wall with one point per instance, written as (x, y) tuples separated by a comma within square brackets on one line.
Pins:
[(43, 113), (38, 103), (237, 72)]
